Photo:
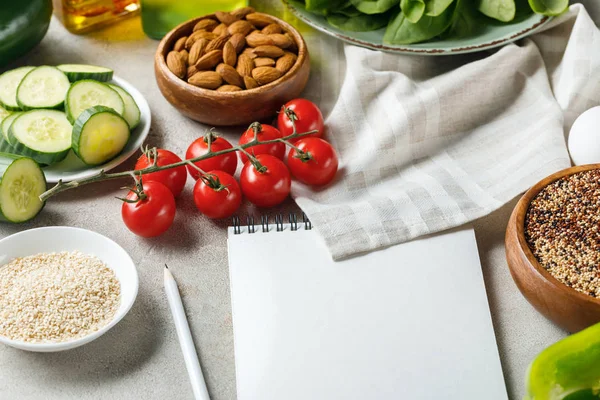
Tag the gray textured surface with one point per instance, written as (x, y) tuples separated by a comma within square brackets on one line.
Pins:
[(140, 357)]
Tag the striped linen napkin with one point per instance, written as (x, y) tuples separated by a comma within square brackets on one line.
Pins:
[(430, 143)]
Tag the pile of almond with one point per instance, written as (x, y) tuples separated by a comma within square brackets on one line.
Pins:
[(233, 51)]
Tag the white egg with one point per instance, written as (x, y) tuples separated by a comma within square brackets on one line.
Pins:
[(584, 138)]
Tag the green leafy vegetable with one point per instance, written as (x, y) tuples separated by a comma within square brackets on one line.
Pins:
[(549, 7), (502, 10), (413, 10), (361, 23), (349, 11), (436, 7), (466, 21), (402, 31), (323, 6), (374, 6)]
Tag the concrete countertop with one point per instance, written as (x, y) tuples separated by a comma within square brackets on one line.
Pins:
[(140, 357)]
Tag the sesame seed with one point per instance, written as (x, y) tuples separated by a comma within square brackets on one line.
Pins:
[(55, 297), (562, 229)]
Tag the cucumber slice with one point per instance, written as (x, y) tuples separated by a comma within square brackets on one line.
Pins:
[(6, 123), (22, 181), (87, 93), (77, 72), (132, 112), (3, 114), (43, 87), (9, 82), (5, 147), (99, 134), (44, 135)]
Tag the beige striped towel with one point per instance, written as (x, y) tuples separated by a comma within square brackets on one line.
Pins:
[(430, 143)]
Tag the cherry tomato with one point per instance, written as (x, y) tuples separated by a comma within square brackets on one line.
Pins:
[(265, 132), (151, 212), (269, 187), (316, 165), (225, 162), (173, 178), (217, 194), (307, 115)]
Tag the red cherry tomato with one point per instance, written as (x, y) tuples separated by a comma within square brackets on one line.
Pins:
[(307, 115), (265, 132), (173, 178), (153, 212), (217, 194), (225, 162), (316, 165), (269, 187)]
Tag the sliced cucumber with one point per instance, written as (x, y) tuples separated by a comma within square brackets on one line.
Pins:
[(22, 181), (87, 93), (132, 111), (43, 87), (5, 147), (99, 134), (9, 82), (6, 123), (44, 135), (77, 72), (3, 114)]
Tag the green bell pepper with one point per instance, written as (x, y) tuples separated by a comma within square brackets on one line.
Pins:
[(567, 370), (23, 24)]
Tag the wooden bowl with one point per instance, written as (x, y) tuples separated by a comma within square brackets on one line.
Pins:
[(566, 307), (230, 108)]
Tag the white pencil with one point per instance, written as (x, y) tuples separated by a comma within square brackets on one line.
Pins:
[(185, 338)]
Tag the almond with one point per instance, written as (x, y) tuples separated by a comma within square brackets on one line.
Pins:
[(180, 43), (249, 52), (238, 41), (243, 27), (259, 20), (229, 88), (225, 17), (230, 75), (242, 12), (264, 62), (217, 44), (268, 51), (256, 39), (198, 35), (245, 65), (176, 64), (206, 24), (191, 71), (280, 40), (197, 51), (209, 60), (206, 80), (229, 54), (220, 30), (293, 47), (286, 62), (250, 82), (271, 28), (185, 56), (264, 75)]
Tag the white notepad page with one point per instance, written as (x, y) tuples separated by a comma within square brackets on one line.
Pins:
[(407, 322)]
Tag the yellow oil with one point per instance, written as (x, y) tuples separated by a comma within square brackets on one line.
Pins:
[(160, 16), (80, 16)]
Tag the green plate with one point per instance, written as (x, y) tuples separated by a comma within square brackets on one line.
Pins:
[(492, 35)]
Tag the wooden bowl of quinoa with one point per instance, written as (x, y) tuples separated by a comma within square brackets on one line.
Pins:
[(553, 246)]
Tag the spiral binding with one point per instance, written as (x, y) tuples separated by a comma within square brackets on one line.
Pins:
[(264, 223)]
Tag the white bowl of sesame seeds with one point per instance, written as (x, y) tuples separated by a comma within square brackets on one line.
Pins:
[(62, 287)]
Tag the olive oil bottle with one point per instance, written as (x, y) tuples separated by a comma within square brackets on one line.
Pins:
[(160, 16), (80, 16)]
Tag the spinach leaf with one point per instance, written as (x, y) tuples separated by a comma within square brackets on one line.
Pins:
[(434, 8), (467, 22), (360, 23), (323, 6), (549, 7), (349, 11), (374, 6), (502, 10), (413, 10), (402, 31)]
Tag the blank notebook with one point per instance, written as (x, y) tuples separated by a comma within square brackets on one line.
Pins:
[(408, 322)]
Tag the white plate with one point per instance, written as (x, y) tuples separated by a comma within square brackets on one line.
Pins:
[(63, 238), (72, 168)]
